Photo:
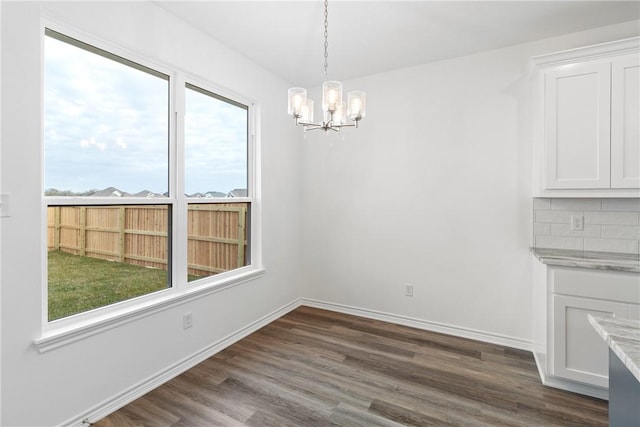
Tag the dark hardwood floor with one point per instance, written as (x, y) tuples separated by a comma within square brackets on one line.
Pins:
[(319, 368)]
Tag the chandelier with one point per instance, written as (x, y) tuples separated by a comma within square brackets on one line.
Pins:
[(335, 111)]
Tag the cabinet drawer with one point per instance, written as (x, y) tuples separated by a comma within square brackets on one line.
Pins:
[(605, 285)]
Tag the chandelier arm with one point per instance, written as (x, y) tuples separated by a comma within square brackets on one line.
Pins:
[(325, 125), (309, 124), (350, 125)]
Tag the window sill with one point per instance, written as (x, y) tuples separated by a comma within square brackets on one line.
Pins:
[(59, 336)]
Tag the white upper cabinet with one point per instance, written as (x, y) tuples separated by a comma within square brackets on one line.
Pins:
[(587, 121), (625, 121), (577, 125)]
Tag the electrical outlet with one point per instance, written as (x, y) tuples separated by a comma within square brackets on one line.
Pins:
[(4, 206), (408, 289), (577, 222), (187, 320)]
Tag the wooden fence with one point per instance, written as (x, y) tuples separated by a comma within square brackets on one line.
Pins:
[(137, 234)]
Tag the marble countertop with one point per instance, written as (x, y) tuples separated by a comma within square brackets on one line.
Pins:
[(623, 337), (588, 259)]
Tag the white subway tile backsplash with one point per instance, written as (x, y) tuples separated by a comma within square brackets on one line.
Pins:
[(557, 217), (565, 230), (540, 228), (576, 243), (621, 231), (621, 205), (576, 204), (541, 204), (611, 245), (613, 218), (610, 225)]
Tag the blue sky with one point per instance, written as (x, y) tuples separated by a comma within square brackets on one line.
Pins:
[(215, 144), (106, 125)]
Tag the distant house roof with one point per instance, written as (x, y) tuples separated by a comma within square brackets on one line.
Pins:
[(214, 194), (148, 194), (238, 192), (110, 192), (114, 192), (207, 195)]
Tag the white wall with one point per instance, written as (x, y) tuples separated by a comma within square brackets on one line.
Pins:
[(434, 189), (1, 379), (50, 388)]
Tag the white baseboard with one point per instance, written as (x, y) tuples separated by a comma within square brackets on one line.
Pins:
[(575, 387), (138, 390), (426, 325), (541, 364), (567, 385)]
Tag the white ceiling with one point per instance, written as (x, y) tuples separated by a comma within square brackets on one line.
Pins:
[(368, 37)]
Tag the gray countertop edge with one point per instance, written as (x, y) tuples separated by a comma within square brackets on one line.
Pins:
[(587, 259), (623, 338)]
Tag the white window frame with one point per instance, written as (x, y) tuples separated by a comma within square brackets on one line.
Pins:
[(69, 329)]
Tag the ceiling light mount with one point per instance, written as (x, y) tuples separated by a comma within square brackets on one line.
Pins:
[(336, 111)]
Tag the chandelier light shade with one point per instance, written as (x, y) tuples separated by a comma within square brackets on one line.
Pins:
[(340, 114), (336, 112), (331, 95), (357, 102), (307, 111), (297, 101)]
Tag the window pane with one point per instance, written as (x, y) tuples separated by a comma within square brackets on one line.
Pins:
[(215, 145), (217, 238), (106, 123), (100, 255)]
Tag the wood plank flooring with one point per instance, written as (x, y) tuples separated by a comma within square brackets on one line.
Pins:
[(318, 368)]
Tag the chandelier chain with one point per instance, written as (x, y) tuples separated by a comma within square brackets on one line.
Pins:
[(326, 38)]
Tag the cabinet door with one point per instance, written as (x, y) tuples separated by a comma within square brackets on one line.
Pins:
[(625, 122), (579, 353), (577, 137)]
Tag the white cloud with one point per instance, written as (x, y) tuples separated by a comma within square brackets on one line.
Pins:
[(120, 117), (91, 142), (215, 144)]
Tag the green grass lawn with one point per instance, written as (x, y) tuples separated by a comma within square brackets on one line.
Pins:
[(78, 283)]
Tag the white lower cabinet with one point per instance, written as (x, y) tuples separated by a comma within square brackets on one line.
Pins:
[(569, 353), (579, 353)]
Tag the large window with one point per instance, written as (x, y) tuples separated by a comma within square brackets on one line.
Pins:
[(120, 181), (215, 166), (106, 123)]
